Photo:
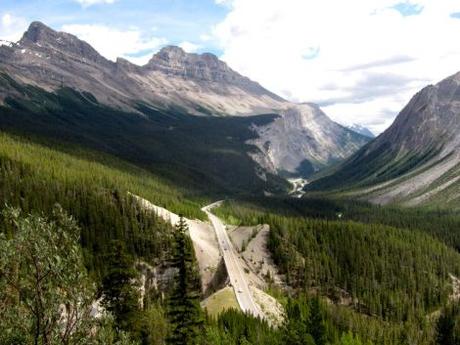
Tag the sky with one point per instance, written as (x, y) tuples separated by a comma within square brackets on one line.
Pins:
[(360, 60)]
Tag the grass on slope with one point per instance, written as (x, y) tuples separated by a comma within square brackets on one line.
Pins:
[(220, 301)]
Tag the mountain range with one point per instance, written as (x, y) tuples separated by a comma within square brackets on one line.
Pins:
[(192, 114), (100, 161), (282, 138), (416, 160)]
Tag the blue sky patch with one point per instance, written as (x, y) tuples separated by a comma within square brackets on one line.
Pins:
[(408, 9), (174, 20)]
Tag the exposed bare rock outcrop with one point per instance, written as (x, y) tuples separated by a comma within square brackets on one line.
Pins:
[(300, 141), (416, 160), (303, 140)]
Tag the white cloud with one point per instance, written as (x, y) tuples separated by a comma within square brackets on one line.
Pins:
[(223, 2), (205, 37), (361, 59), (131, 44), (87, 3), (12, 27), (189, 47)]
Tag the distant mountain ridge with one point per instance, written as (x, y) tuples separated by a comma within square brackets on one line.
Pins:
[(416, 160), (361, 130), (175, 81), (50, 59)]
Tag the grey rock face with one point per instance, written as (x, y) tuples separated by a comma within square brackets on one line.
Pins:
[(50, 59), (418, 155), (200, 84), (430, 120), (41, 36), (304, 140), (175, 61), (206, 67)]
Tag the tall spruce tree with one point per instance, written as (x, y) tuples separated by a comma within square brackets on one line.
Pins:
[(120, 295), (184, 302)]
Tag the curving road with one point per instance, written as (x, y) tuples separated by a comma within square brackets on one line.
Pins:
[(234, 269)]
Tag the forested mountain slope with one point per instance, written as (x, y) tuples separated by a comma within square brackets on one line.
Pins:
[(416, 160), (80, 135), (112, 234), (386, 283), (207, 154), (35, 178), (70, 199), (299, 140)]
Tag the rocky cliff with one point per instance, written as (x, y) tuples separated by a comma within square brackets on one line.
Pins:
[(300, 141), (416, 160)]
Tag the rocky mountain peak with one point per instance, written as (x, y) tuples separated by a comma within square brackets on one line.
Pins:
[(42, 38), (416, 160), (174, 80), (175, 61), (430, 119), (38, 32), (207, 67), (176, 55), (171, 53)]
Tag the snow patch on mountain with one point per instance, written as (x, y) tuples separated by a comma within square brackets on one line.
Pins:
[(361, 130)]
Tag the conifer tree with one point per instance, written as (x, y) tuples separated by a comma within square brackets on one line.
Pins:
[(120, 296), (184, 302)]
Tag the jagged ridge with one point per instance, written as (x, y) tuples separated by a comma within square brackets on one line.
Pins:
[(173, 80)]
